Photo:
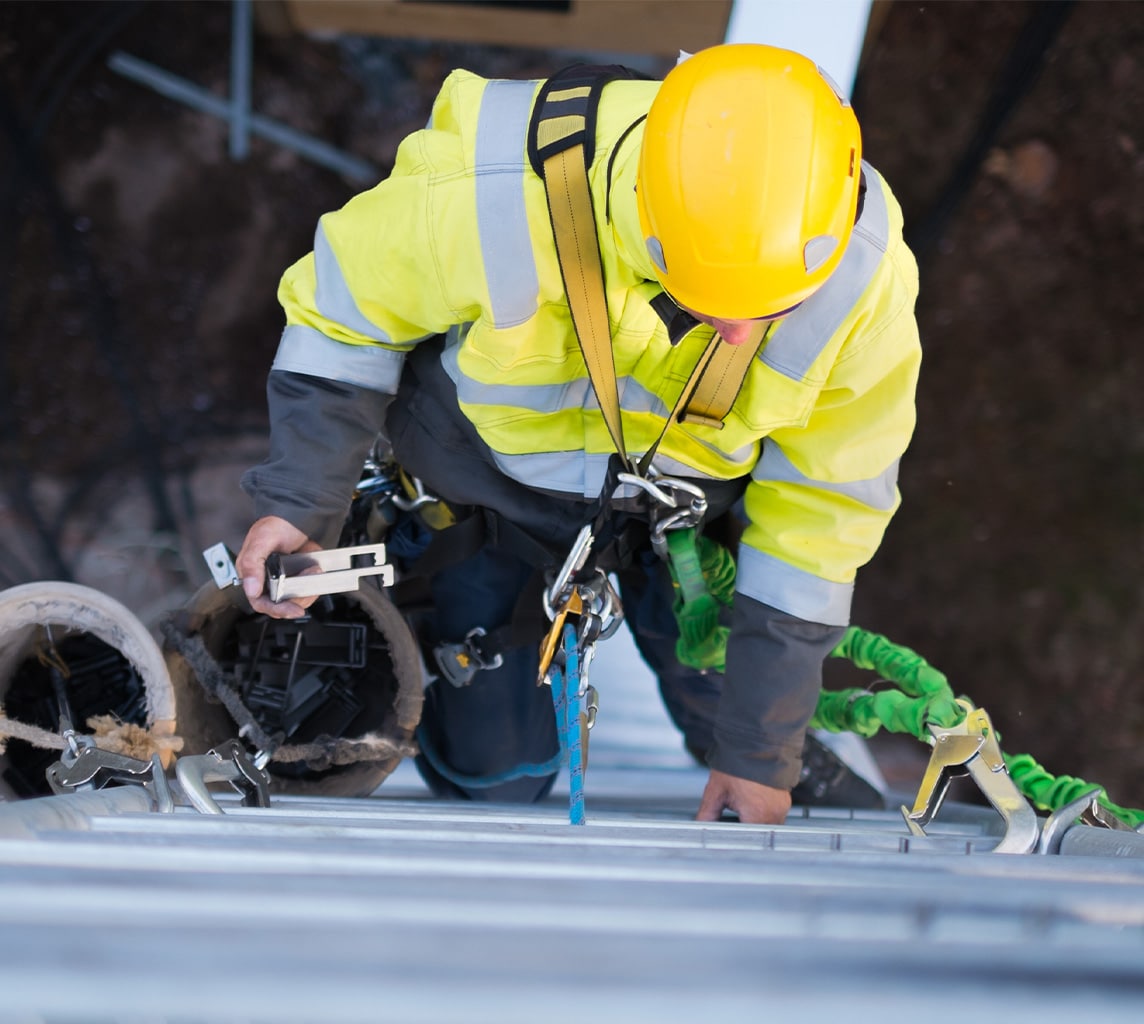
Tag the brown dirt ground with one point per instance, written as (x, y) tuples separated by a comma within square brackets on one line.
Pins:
[(138, 310)]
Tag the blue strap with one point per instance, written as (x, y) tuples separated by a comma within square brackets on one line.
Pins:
[(567, 706), (534, 771)]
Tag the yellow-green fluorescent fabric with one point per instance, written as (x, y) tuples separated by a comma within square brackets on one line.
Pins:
[(457, 241)]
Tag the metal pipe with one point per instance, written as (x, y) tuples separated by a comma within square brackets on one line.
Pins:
[(73, 812), (182, 91), (241, 43), (1089, 841)]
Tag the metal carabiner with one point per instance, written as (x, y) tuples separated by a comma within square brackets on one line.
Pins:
[(577, 558), (420, 497), (971, 748)]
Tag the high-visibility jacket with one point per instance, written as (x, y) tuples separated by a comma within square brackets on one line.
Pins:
[(457, 240)]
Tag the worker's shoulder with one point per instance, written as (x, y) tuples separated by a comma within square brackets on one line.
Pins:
[(458, 102), (879, 230)]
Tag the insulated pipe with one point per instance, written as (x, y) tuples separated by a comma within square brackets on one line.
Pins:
[(70, 609), (26, 819)]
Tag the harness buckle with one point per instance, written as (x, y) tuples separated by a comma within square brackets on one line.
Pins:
[(459, 662), (676, 505)]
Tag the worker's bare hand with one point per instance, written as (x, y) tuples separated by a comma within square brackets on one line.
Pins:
[(268, 535), (754, 803)]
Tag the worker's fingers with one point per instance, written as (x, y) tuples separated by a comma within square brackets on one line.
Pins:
[(713, 803), (279, 609), (267, 536), (753, 802)]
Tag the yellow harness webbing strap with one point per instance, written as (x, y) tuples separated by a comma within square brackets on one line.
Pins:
[(577, 248), (722, 380), (560, 148)]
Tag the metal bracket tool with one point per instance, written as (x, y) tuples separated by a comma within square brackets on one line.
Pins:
[(228, 762), (93, 768), (310, 573), (972, 749)]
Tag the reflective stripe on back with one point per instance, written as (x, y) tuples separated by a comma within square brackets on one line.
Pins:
[(581, 473), (577, 394), (502, 220)]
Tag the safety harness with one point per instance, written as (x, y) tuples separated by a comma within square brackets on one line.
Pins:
[(579, 602), (561, 150)]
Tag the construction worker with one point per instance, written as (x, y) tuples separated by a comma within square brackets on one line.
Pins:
[(730, 202)]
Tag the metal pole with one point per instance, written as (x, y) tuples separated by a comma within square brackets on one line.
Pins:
[(1087, 841), (26, 819), (182, 91), (241, 44)]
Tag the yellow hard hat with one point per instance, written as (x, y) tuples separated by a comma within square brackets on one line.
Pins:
[(748, 180)]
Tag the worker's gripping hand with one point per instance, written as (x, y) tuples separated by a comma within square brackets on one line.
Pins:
[(268, 535), (754, 803)]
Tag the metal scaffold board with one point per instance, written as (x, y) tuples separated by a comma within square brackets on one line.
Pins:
[(402, 908)]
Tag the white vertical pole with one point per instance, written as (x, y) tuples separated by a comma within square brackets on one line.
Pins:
[(829, 32)]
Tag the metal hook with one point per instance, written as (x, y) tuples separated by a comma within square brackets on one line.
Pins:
[(971, 748)]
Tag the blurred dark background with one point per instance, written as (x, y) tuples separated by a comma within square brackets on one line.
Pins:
[(137, 303)]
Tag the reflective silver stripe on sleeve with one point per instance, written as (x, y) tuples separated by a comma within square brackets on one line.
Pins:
[(791, 590), (306, 350), (502, 221), (797, 341), (879, 492), (332, 295)]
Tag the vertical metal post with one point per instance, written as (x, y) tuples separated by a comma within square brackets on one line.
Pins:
[(240, 64)]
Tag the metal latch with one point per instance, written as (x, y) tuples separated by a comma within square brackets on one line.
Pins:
[(971, 748), (308, 574), (460, 662), (229, 762), (92, 768), (1086, 809)]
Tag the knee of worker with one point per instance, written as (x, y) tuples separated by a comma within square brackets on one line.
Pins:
[(486, 741), (480, 591)]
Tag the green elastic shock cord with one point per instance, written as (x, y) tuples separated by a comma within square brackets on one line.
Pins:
[(704, 575), (926, 697)]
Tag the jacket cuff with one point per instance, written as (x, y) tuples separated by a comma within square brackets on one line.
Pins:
[(770, 691)]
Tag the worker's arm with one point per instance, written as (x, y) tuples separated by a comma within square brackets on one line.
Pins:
[(819, 500), (321, 432), (369, 291), (771, 684)]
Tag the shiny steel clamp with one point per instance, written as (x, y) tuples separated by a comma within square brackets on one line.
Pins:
[(972, 749)]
